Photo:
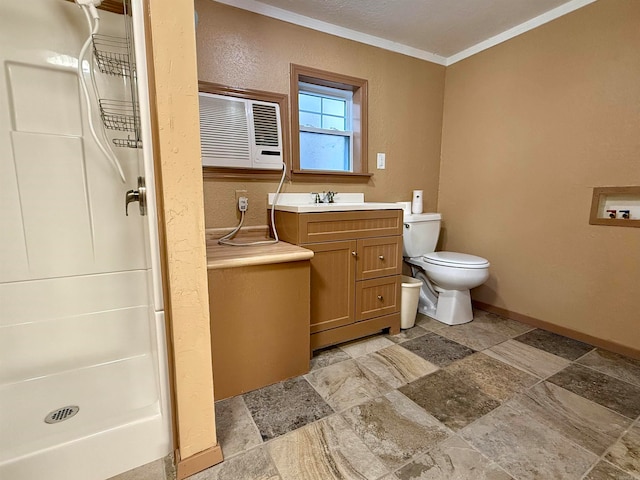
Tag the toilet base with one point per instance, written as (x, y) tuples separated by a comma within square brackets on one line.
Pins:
[(453, 307), (428, 311)]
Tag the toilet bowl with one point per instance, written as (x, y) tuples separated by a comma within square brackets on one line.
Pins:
[(456, 271), (447, 277)]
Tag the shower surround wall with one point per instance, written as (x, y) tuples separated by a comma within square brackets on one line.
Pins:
[(81, 314)]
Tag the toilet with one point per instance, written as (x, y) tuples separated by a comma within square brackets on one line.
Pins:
[(446, 277)]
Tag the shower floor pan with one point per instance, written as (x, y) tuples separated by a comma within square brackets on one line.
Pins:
[(119, 410)]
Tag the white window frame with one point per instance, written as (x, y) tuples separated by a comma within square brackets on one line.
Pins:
[(334, 94)]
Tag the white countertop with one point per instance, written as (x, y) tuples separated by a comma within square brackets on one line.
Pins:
[(342, 202)]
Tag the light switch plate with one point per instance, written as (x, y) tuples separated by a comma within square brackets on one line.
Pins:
[(381, 161)]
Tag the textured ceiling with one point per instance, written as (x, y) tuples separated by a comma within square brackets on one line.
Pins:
[(441, 27)]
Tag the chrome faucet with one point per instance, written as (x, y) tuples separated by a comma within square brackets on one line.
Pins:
[(328, 197)]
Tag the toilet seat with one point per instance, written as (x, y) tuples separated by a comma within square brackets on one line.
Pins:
[(455, 260)]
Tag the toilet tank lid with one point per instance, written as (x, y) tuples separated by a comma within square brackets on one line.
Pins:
[(456, 259), (421, 217)]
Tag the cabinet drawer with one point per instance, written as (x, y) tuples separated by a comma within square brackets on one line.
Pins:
[(377, 297), (379, 257), (302, 228)]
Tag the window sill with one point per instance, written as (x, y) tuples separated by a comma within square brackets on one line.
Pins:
[(229, 173), (323, 175)]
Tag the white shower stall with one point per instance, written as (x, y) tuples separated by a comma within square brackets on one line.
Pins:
[(83, 360)]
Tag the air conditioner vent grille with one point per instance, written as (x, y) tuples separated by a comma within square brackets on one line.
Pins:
[(265, 122), (224, 129)]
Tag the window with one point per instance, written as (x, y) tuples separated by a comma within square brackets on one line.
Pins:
[(328, 123), (326, 135)]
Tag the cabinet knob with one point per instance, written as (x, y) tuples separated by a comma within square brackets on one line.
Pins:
[(354, 254), (380, 297), (381, 257)]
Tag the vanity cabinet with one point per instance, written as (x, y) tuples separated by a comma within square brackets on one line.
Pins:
[(259, 307), (355, 270)]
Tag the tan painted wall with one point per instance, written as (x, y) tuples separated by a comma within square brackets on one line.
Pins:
[(178, 147), (530, 126), (246, 50)]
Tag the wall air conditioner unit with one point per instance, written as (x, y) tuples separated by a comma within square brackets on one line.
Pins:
[(240, 133)]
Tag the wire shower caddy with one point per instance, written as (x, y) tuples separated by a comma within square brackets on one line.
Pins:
[(113, 55), (116, 56)]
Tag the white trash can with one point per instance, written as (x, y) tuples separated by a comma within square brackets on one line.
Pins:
[(409, 303)]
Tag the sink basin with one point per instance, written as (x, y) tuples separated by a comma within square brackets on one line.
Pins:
[(338, 207), (344, 202)]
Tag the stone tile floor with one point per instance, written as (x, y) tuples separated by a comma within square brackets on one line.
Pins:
[(492, 399)]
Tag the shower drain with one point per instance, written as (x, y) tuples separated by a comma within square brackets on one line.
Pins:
[(61, 414)]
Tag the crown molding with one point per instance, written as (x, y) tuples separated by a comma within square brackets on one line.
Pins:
[(519, 29), (303, 21), (325, 27)]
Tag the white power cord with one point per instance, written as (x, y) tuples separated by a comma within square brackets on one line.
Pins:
[(226, 240), (90, 12)]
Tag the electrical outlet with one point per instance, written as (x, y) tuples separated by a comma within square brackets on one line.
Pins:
[(240, 193), (381, 161), (243, 204)]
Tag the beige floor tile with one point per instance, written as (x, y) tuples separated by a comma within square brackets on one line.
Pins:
[(586, 423), (617, 395), (532, 360), (329, 356), (362, 347), (453, 402), (499, 324), (395, 429), (396, 365), (453, 459), (626, 452), (473, 335), (325, 450), (429, 323), (255, 464), (497, 379), (346, 384), (619, 366), (235, 429), (605, 471), (526, 449), (407, 334)]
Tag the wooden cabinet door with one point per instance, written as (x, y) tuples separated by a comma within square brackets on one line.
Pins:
[(379, 257), (377, 297), (332, 284)]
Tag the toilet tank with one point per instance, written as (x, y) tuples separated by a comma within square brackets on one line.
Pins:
[(420, 233)]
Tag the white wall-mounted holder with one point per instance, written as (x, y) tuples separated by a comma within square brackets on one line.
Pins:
[(615, 206)]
